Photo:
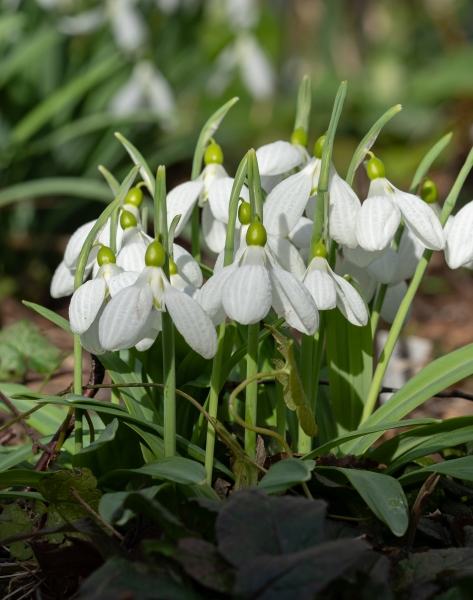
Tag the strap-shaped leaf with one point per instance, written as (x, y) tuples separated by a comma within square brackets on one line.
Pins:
[(294, 394)]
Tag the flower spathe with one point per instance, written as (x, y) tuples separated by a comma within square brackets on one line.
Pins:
[(247, 289), (133, 314)]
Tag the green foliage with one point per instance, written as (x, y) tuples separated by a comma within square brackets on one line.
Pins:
[(286, 474), (24, 347), (20, 521)]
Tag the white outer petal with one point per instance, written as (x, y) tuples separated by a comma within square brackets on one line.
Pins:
[(192, 321), (278, 158), (349, 301), (210, 294), (155, 326), (293, 300), (367, 283), (132, 257), (362, 258), (180, 284), (86, 303), (269, 182), (219, 197), (62, 283), (421, 220), (121, 281), (384, 269), (410, 252), (392, 301), (301, 235), (310, 207), (75, 243), (181, 200), (125, 316), (90, 339), (377, 223), (322, 289), (286, 255), (286, 203), (459, 246), (214, 232), (187, 265), (344, 208)]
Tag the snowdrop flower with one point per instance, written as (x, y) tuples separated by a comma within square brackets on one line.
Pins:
[(380, 214), (247, 289), (89, 300), (146, 88), (134, 313), (131, 256), (296, 191), (459, 246), (279, 158), (330, 290)]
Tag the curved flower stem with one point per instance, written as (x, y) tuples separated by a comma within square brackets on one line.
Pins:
[(307, 364), (408, 298), (251, 404)]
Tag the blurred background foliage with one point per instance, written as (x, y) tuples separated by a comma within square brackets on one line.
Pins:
[(74, 71)]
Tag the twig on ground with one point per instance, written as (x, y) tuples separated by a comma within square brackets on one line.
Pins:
[(76, 495)]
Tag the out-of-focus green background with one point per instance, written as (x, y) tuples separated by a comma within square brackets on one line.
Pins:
[(74, 71)]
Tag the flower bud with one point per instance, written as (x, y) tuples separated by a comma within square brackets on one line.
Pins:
[(213, 154), (127, 219), (299, 137), (134, 196), (320, 251), (244, 212), (319, 146), (173, 270), (375, 168), (105, 256), (256, 234), (155, 255), (429, 192)]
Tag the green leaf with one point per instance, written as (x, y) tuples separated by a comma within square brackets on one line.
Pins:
[(210, 127), (252, 524), (50, 315), (21, 522), (304, 99), (138, 159), (349, 352), (461, 468), (116, 447), (352, 435), (110, 179), (294, 394), (74, 187), (428, 160), (148, 507), (71, 92), (382, 494), (23, 495), (369, 140), (111, 507), (172, 468), (286, 474), (11, 456), (435, 377), (21, 477), (24, 347)]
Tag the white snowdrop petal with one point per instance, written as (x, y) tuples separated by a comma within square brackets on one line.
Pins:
[(367, 283), (90, 339), (85, 304), (180, 284), (75, 243), (292, 299), (377, 223), (269, 182), (122, 280), (257, 72), (214, 231), (322, 289), (286, 203), (192, 321), (219, 197), (124, 317), (301, 235), (310, 207), (344, 208), (210, 294), (421, 220), (459, 246), (181, 200), (187, 265), (151, 333), (410, 252), (362, 258), (278, 158), (62, 283), (392, 301), (247, 294), (132, 257), (286, 255), (384, 269), (349, 301)]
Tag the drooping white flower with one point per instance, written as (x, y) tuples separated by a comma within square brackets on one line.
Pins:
[(247, 289), (134, 313), (329, 290), (381, 213), (459, 244)]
